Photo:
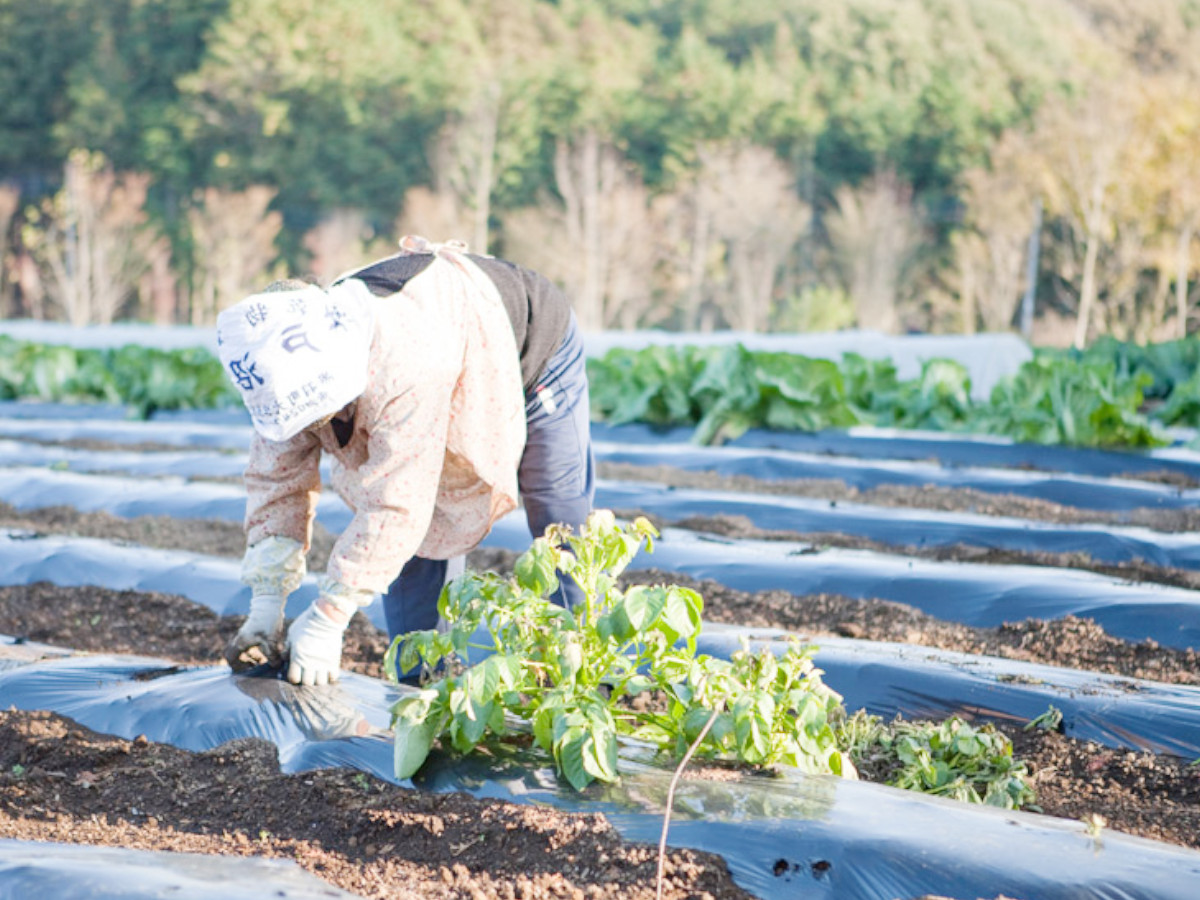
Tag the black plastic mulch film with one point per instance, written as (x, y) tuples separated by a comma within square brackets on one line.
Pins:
[(792, 836)]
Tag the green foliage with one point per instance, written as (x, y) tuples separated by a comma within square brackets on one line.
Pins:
[(952, 759), (820, 308), (568, 676), (149, 379), (1182, 407), (723, 391), (1050, 720), (1172, 391), (720, 391), (143, 378), (939, 399), (574, 679), (1168, 363), (1057, 400)]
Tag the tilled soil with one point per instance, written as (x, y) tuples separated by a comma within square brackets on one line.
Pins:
[(60, 782)]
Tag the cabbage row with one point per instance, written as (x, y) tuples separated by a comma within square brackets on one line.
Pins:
[(1112, 395)]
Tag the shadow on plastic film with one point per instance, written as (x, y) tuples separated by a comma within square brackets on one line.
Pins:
[(788, 836), (36, 869)]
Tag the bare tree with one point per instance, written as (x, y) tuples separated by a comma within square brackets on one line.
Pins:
[(579, 176), (466, 156), (92, 240), (1084, 147), (341, 241), (602, 243), (992, 247), (10, 198), (234, 236), (159, 285), (437, 214), (873, 233), (760, 218), (491, 127), (1171, 113)]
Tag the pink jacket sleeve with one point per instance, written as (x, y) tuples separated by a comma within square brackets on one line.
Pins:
[(395, 491), (282, 483)]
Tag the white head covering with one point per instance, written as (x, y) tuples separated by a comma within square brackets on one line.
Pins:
[(297, 356)]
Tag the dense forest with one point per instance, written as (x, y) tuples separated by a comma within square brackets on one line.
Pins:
[(786, 165)]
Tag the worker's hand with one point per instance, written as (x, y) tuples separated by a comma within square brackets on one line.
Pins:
[(259, 640), (314, 641)]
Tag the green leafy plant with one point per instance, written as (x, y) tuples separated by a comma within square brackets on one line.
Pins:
[(1054, 400), (1050, 720), (143, 378), (952, 759), (1182, 406), (569, 677)]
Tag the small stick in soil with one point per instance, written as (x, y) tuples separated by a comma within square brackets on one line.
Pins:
[(662, 841)]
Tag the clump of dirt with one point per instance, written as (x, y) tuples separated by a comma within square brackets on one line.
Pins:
[(1138, 793)]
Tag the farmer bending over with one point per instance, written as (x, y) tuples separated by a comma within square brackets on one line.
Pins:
[(443, 385)]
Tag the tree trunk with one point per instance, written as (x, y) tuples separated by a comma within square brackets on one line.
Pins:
[(1087, 291), (1182, 268)]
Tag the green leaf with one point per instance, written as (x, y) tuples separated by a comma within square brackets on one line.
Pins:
[(415, 731), (571, 754), (536, 568), (643, 605)]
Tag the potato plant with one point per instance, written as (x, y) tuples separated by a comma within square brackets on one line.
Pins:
[(569, 676)]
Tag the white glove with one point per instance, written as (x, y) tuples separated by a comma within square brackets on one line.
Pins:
[(258, 641), (314, 641), (274, 567)]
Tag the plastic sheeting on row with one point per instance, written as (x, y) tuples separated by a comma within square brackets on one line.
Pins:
[(39, 409), (77, 562), (29, 486), (904, 526), (883, 678), (229, 429), (35, 869), (786, 837), (1081, 491), (971, 593), (178, 433), (1084, 492), (946, 448), (162, 463)]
